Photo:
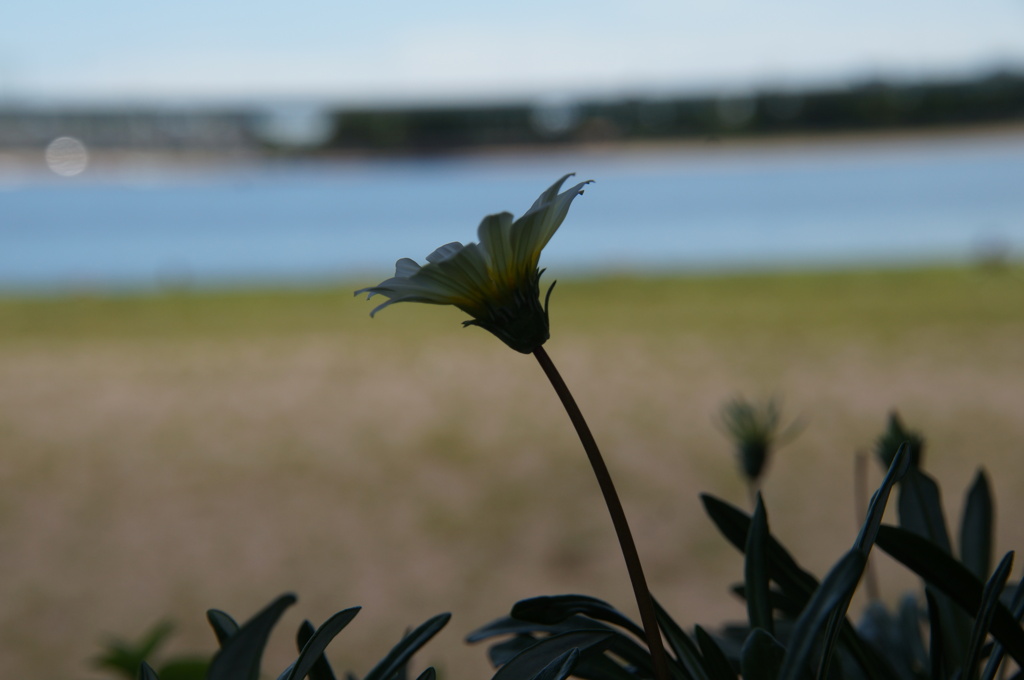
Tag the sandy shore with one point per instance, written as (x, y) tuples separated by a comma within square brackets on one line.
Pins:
[(19, 164)]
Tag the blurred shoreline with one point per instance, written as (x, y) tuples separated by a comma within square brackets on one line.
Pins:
[(29, 162)]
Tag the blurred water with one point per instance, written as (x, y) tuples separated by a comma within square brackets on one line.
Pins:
[(698, 207)]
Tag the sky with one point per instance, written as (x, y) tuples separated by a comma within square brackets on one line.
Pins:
[(410, 51)]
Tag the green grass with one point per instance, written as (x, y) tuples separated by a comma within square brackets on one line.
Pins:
[(833, 302), (880, 301)]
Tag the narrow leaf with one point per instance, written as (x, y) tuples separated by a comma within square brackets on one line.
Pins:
[(756, 578), (510, 626), (239, 655), (591, 666), (880, 499), (500, 653), (920, 506), (953, 580), (146, 672), (783, 569), (408, 646), (223, 625), (780, 602), (603, 667), (314, 648), (865, 540), (762, 656), (936, 637), (557, 608), (560, 667), (629, 651), (715, 661), (531, 661), (989, 600), (1017, 611), (834, 590), (686, 652), (976, 528), (911, 636), (321, 669), (921, 512)]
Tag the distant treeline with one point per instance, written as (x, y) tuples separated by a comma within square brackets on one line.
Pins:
[(996, 98)]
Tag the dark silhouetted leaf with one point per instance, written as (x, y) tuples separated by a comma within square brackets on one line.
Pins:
[(591, 666), (989, 600), (920, 507), (976, 528), (687, 654), (531, 661), (223, 625), (313, 649), (783, 569), (880, 499), (796, 584), (762, 656), (781, 602), (865, 540), (560, 667), (715, 661), (756, 579), (833, 592), (936, 637), (510, 626), (239, 655), (503, 626), (321, 669), (146, 672), (557, 608), (953, 580), (896, 636), (501, 653), (1017, 611), (408, 646)]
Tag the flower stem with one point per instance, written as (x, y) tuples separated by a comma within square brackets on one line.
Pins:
[(644, 601)]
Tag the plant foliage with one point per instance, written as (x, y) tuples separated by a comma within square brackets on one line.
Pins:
[(242, 645), (964, 626)]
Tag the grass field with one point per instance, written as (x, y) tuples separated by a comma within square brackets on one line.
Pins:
[(169, 453)]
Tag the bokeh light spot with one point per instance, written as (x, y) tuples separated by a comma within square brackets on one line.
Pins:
[(67, 156)]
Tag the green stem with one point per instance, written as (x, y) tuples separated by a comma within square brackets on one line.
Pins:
[(644, 601)]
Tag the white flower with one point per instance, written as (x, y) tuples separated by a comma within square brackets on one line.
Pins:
[(495, 281)]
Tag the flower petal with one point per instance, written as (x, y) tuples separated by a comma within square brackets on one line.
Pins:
[(495, 233), (406, 267), (531, 232), (468, 271), (445, 251), (549, 193), (472, 261), (463, 277)]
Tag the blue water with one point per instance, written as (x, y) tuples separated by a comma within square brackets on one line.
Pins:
[(684, 209)]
